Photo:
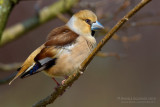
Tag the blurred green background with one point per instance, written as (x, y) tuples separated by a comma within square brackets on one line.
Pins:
[(107, 82)]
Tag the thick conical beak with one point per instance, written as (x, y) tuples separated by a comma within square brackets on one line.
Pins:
[(97, 26)]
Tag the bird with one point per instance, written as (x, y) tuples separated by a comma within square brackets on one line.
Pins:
[(66, 47)]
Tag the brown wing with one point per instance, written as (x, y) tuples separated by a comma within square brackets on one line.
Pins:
[(46, 52), (61, 36)]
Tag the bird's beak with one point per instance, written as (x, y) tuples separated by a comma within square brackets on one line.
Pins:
[(97, 26)]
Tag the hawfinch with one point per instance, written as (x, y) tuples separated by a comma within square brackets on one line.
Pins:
[(65, 48)]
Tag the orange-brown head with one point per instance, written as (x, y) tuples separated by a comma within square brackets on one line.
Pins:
[(83, 22)]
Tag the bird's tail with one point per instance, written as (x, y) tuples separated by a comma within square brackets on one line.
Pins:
[(36, 67), (17, 75), (24, 71)]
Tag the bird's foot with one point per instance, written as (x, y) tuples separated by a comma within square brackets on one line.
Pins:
[(81, 72), (63, 82)]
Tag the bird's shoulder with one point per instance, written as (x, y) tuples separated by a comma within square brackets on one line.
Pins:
[(61, 36)]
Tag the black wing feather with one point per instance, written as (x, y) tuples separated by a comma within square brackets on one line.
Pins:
[(39, 67)]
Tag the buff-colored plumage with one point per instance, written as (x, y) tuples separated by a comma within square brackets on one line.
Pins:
[(65, 49)]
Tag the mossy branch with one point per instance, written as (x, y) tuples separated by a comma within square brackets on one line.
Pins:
[(9, 67), (44, 15), (61, 89), (5, 9)]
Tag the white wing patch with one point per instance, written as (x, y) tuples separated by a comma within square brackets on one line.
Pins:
[(45, 60), (30, 67)]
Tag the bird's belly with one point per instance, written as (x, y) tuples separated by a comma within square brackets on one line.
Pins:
[(68, 63)]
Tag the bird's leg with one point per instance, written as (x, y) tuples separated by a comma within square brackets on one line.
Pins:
[(66, 77), (56, 88), (56, 82), (81, 72)]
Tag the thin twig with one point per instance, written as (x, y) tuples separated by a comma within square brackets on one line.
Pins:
[(125, 4), (60, 90), (136, 24), (109, 54)]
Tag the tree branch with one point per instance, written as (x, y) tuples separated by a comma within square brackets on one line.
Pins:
[(60, 90), (9, 67), (46, 14), (112, 31), (5, 9)]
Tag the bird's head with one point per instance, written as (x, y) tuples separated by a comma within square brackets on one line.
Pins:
[(84, 23)]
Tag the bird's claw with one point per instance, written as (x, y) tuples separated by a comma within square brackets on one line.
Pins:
[(81, 72), (63, 82)]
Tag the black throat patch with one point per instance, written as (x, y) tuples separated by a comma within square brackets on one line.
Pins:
[(92, 32)]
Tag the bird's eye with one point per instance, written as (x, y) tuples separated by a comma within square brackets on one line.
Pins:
[(88, 21)]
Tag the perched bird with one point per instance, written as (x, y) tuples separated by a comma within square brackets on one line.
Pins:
[(65, 48)]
